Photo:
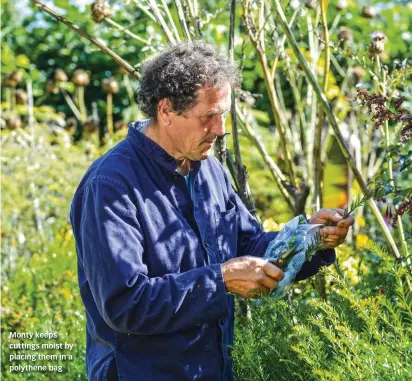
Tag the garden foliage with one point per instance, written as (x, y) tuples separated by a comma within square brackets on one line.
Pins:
[(360, 327)]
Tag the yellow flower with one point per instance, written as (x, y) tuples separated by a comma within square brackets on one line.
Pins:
[(360, 220), (362, 241)]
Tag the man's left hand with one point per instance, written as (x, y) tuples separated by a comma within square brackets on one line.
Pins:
[(335, 234)]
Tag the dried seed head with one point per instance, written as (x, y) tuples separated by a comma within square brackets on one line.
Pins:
[(100, 10), (110, 86), (17, 76), (368, 12), (80, 78), (311, 4), (21, 97), (60, 76), (377, 36), (13, 79), (341, 5), (8, 81), (51, 87), (13, 122), (345, 34)]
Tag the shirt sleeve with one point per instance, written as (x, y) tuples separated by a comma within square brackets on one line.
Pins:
[(253, 241), (111, 243)]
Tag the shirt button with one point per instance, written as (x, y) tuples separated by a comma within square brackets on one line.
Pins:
[(207, 244)]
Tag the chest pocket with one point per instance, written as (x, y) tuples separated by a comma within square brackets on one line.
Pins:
[(226, 231)]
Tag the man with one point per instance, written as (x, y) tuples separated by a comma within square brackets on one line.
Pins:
[(162, 238)]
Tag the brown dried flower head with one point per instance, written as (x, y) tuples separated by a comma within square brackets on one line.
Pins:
[(80, 78), (345, 34), (51, 87), (377, 45), (368, 12), (21, 97), (341, 5), (13, 122), (311, 4), (110, 86), (100, 10), (60, 76)]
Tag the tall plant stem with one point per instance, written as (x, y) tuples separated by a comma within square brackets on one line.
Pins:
[(72, 106), (126, 31), (243, 186), (182, 19), (274, 102), (109, 110), (170, 18), (318, 189), (31, 111), (390, 161), (129, 90), (321, 96), (82, 33), (82, 106), (161, 21), (8, 98), (276, 173)]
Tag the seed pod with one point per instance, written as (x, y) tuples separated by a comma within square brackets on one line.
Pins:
[(8, 81), (110, 86), (17, 76), (368, 12), (60, 76), (345, 34), (377, 45), (358, 72), (100, 10), (51, 87), (80, 78), (13, 122), (311, 4), (341, 5), (21, 97)]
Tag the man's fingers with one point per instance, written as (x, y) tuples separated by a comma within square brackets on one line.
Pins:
[(347, 222), (335, 231), (273, 271), (270, 282), (333, 238)]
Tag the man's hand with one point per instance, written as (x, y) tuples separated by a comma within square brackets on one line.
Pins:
[(335, 234), (250, 277)]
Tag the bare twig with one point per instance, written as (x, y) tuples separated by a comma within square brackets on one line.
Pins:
[(82, 33)]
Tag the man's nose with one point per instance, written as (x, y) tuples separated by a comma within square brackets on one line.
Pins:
[(219, 125)]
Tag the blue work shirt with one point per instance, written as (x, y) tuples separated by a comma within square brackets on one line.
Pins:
[(149, 263)]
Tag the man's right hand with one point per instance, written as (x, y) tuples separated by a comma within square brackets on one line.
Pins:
[(250, 277)]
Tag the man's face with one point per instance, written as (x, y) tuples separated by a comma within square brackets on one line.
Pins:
[(193, 133)]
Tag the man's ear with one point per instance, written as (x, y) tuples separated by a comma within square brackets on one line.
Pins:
[(164, 111)]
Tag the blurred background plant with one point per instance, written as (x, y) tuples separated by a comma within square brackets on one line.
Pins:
[(65, 102)]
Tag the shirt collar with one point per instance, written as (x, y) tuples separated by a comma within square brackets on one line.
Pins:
[(151, 148)]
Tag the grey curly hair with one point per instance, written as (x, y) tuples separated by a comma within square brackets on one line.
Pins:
[(181, 70)]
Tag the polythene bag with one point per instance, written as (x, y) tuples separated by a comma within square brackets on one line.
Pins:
[(293, 240)]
